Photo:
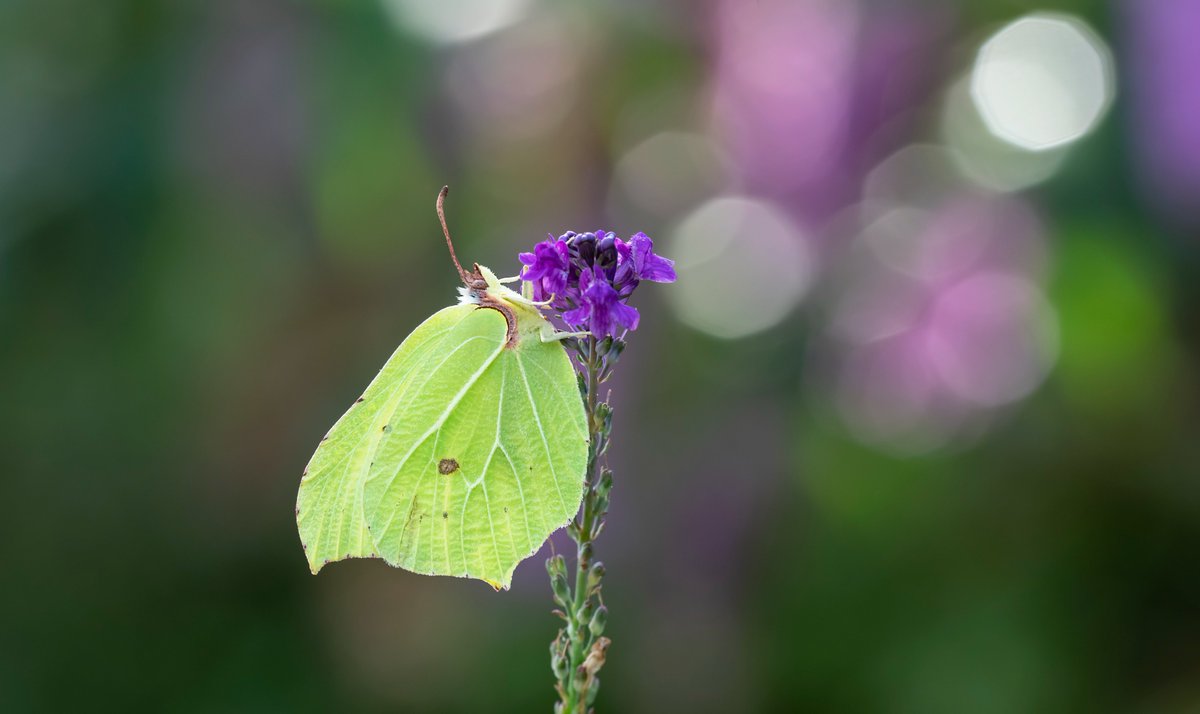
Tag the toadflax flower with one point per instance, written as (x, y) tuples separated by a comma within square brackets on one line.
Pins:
[(547, 267), (589, 277), (638, 262), (601, 310)]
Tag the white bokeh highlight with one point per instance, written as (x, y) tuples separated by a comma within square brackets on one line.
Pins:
[(982, 157), (669, 172), (518, 84), (743, 265), (1042, 81), (451, 21)]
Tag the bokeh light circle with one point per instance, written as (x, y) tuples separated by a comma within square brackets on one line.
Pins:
[(992, 338), (455, 20), (938, 319), (743, 266), (670, 171), (917, 175), (1042, 81), (984, 158), (519, 83)]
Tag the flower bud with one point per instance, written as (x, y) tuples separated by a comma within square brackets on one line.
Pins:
[(562, 592), (585, 612), (557, 570), (584, 244), (556, 565), (595, 575), (559, 665), (604, 486), (606, 255), (599, 620)]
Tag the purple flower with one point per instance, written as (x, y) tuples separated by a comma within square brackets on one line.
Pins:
[(637, 261), (592, 275), (601, 309), (548, 267)]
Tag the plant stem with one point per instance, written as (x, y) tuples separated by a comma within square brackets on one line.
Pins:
[(581, 645)]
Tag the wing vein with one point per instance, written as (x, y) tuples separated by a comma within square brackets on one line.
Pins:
[(445, 413), (537, 420), (341, 471), (496, 446), (487, 502), (521, 491)]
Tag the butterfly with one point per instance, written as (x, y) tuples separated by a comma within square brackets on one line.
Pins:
[(466, 451)]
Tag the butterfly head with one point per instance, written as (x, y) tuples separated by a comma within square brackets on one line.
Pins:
[(480, 285), (491, 289)]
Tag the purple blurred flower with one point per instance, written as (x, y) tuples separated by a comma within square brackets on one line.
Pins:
[(601, 310), (806, 94), (547, 267), (1162, 54), (592, 275)]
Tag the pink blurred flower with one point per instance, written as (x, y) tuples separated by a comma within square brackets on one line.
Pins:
[(942, 321)]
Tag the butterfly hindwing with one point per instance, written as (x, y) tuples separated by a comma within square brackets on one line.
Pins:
[(462, 458), (329, 510)]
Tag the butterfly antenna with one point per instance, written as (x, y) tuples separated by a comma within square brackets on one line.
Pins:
[(467, 278)]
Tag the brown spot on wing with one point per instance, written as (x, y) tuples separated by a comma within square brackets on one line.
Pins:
[(447, 466)]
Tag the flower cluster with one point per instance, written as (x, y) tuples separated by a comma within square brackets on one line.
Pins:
[(589, 277)]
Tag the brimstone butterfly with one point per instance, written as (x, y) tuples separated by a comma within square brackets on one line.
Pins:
[(466, 451)]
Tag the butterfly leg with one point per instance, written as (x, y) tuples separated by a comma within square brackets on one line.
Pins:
[(527, 294), (549, 334), (526, 297)]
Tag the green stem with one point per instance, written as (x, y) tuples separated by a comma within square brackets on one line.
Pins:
[(577, 630)]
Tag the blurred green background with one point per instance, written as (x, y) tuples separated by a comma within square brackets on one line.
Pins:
[(916, 431)]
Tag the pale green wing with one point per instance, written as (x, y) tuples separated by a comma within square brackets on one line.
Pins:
[(484, 458), (505, 425), (329, 511)]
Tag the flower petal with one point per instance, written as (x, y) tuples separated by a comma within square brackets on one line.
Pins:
[(625, 315), (647, 265)]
